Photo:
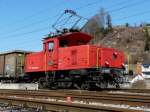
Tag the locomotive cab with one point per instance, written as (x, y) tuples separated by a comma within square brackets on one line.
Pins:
[(53, 46), (74, 39), (68, 39), (56, 49)]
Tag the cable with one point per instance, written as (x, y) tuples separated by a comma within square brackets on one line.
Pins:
[(35, 14), (26, 26), (134, 15), (118, 4), (136, 3), (46, 19), (24, 42), (89, 4), (34, 23), (126, 6), (26, 33), (21, 34)]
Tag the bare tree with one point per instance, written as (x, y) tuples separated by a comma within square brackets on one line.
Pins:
[(101, 18), (98, 22)]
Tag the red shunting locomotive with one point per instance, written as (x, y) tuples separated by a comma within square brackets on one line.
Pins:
[(67, 60)]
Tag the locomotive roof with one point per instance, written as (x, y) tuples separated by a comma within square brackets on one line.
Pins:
[(73, 36)]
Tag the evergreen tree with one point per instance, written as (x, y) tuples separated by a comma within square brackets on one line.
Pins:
[(147, 46), (127, 24), (109, 22)]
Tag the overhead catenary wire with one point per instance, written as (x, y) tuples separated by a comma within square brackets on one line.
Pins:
[(136, 3), (133, 15), (46, 19), (89, 4), (35, 14), (33, 31), (30, 25), (25, 33), (127, 6), (111, 10), (37, 30)]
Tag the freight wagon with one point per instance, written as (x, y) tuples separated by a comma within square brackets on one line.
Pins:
[(12, 65)]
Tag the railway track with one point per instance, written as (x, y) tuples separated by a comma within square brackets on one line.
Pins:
[(77, 101), (130, 91), (114, 98)]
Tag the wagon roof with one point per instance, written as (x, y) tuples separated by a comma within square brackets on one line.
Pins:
[(15, 51)]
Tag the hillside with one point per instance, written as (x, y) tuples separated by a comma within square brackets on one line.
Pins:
[(132, 40)]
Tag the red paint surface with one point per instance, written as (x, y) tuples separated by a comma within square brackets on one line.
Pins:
[(74, 56)]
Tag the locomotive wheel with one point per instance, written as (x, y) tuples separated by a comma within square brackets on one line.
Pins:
[(85, 87), (117, 85), (42, 83), (65, 85), (55, 86), (104, 85)]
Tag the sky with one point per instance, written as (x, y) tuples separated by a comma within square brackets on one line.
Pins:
[(24, 23)]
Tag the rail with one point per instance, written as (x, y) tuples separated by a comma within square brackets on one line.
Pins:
[(76, 101)]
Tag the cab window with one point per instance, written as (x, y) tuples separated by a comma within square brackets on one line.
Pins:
[(63, 43), (51, 46)]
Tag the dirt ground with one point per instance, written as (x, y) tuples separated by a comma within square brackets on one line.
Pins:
[(141, 84)]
